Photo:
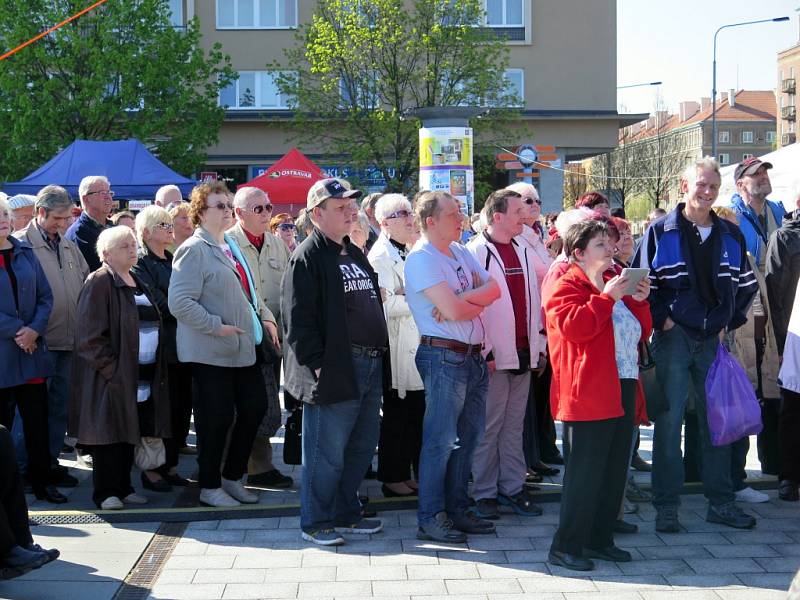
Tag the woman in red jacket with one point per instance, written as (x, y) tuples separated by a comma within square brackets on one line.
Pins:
[(593, 330)]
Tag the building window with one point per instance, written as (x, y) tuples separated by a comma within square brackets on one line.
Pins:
[(724, 159), (176, 12), (515, 85), (770, 137), (256, 14), (724, 137), (747, 137), (746, 155), (253, 89), (504, 13)]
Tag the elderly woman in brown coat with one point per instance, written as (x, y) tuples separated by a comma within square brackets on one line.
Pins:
[(119, 391)]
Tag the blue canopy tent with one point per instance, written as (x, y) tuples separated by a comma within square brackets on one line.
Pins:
[(134, 173)]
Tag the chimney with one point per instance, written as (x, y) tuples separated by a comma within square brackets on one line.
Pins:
[(662, 116), (687, 109), (705, 103), (731, 97)]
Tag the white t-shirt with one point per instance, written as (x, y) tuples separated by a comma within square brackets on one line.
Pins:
[(426, 267)]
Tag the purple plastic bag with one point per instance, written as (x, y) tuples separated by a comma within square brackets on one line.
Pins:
[(731, 404)]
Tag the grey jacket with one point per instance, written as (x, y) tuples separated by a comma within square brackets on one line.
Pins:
[(205, 293)]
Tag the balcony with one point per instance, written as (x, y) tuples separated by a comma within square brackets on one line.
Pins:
[(788, 86), (788, 113), (788, 138)]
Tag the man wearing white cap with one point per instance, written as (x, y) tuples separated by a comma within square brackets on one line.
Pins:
[(21, 206), (335, 342)]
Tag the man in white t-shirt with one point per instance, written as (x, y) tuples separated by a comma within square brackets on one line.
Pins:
[(447, 290)]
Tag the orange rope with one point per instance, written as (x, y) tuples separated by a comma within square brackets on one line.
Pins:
[(53, 28)]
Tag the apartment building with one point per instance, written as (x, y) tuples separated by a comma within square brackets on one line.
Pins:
[(562, 62), (788, 65)]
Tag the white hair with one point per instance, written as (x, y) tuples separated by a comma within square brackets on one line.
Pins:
[(389, 203), (164, 191), (526, 190), (88, 181), (4, 205), (707, 163), (148, 218), (110, 237), (568, 218), (243, 194)]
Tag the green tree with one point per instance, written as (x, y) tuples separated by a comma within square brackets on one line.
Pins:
[(121, 71), (360, 65)]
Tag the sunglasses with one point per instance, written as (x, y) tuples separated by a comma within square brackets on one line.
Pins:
[(399, 214), (532, 200), (286, 226), (261, 208), (166, 226), (222, 206)]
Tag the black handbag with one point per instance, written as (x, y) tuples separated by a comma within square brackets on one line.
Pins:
[(293, 437), (654, 397)]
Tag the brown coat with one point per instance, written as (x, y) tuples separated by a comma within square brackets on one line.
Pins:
[(105, 367)]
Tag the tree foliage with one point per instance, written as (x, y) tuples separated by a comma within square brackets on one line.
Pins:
[(360, 65), (120, 71)]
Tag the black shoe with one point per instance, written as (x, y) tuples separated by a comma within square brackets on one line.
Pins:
[(787, 491), (610, 553), (556, 459), (175, 480), (543, 469), (569, 561), (270, 479), (370, 474), (50, 494), (667, 520), (51, 553), (160, 485), (533, 477), (470, 523), (67, 449), (730, 515), (441, 530), (390, 493), (641, 464), (61, 478), (621, 526)]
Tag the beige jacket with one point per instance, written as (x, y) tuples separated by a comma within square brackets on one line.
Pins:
[(65, 279), (266, 268)]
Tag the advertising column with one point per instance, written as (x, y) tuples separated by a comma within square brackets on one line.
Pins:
[(445, 163)]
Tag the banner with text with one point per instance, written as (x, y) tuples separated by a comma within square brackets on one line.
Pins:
[(445, 163)]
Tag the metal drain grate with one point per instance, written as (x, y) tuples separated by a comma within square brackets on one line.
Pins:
[(140, 580), (67, 519)]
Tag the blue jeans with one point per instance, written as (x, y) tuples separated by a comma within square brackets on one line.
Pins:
[(57, 411), (682, 361), (455, 413), (338, 443)]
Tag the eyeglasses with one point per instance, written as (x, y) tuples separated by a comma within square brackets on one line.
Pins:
[(222, 206), (259, 209), (107, 192), (399, 214), (532, 200), (166, 226), (286, 226)]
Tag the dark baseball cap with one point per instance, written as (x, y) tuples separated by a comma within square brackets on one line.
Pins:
[(329, 188), (749, 167)]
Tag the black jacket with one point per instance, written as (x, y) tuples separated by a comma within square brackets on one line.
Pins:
[(315, 328), (155, 273), (782, 270)]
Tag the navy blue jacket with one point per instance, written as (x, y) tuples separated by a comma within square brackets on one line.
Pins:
[(673, 292), (35, 304), (754, 237), (84, 232)]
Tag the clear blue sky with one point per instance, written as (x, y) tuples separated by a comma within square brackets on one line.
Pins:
[(672, 42)]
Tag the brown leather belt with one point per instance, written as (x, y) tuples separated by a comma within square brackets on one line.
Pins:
[(454, 345)]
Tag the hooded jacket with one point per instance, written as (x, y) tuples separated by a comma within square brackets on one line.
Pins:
[(782, 271)]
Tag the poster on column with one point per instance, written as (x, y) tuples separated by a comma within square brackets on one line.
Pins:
[(445, 163)]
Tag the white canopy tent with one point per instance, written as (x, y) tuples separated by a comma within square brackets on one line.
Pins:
[(784, 175)]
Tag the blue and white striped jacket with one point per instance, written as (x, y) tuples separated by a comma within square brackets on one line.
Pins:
[(673, 293)]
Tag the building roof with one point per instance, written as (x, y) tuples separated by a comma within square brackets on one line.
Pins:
[(749, 105)]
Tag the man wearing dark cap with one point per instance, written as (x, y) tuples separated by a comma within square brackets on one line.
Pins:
[(335, 343)]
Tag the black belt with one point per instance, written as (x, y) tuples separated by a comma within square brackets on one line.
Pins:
[(454, 345), (368, 351)]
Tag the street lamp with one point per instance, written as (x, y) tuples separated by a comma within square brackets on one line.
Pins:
[(633, 85), (714, 76)]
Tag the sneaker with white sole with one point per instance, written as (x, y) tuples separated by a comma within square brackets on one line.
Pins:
[(112, 503), (134, 499), (751, 496), (218, 498), (323, 537), (363, 526), (235, 489)]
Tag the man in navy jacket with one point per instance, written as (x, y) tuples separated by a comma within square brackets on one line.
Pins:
[(96, 200)]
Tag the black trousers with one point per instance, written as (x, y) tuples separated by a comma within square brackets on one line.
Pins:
[(788, 437), (14, 529), (180, 398), (545, 427), (31, 400), (596, 457), (111, 473), (220, 390), (401, 436)]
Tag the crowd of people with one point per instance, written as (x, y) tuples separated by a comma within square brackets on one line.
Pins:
[(449, 344)]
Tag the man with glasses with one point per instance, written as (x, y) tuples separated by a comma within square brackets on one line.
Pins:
[(96, 200), (266, 258)]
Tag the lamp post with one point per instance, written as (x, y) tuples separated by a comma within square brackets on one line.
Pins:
[(714, 76)]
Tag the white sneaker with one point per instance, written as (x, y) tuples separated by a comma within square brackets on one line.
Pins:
[(112, 503), (135, 499), (751, 496), (217, 497), (238, 491)]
